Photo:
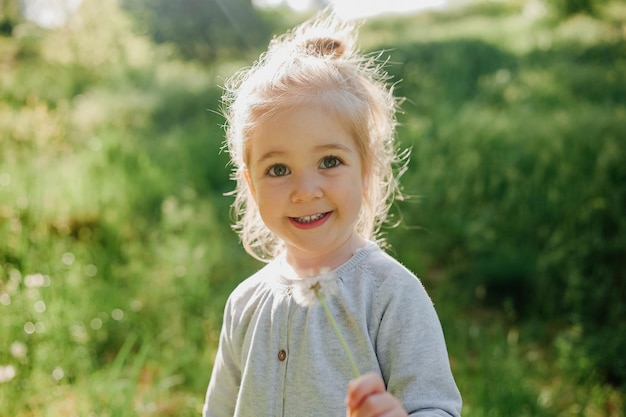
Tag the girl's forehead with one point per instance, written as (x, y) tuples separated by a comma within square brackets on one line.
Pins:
[(300, 129)]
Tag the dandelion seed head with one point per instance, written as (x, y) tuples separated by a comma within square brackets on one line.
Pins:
[(29, 327), (68, 258), (58, 374), (18, 350), (40, 327), (5, 299), (5, 179), (306, 291), (303, 293), (96, 323), (34, 280), (40, 306), (7, 373), (117, 314), (79, 333), (136, 305), (91, 270)]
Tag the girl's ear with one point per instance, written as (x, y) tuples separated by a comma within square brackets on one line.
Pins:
[(246, 176)]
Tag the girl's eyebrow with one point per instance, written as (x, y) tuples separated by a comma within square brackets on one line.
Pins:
[(333, 147), (268, 155), (320, 148)]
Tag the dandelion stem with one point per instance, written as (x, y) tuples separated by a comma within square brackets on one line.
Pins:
[(333, 323)]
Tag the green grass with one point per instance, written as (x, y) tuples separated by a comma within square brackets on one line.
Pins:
[(116, 254)]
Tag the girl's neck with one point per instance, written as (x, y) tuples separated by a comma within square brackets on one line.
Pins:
[(307, 265)]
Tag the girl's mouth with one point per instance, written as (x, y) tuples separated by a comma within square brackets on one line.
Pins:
[(306, 222)]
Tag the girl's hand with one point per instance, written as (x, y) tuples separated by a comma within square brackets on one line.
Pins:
[(367, 397)]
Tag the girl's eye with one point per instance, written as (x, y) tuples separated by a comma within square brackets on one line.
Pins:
[(277, 170), (330, 162)]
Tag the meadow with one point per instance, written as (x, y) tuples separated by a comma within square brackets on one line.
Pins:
[(116, 252)]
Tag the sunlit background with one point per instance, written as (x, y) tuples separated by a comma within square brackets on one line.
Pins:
[(116, 253), (55, 13), (354, 9)]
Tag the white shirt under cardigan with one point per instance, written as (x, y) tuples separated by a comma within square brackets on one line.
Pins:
[(279, 358)]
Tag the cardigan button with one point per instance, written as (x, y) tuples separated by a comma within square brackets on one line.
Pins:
[(282, 355)]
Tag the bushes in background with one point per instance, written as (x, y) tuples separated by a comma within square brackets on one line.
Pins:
[(520, 183)]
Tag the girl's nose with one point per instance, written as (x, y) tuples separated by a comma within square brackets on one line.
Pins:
[(307, 186)]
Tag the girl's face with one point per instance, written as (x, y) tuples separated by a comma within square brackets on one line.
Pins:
[(307, 178)]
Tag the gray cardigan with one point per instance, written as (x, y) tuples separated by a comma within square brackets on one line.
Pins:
[(277, 357)]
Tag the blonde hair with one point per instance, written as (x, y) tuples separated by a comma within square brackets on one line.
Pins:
[(316, 63)]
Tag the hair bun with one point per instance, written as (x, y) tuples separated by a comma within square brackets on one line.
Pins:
[(325, 46)]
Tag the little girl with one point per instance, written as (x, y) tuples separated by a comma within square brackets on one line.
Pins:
[(310, 131)]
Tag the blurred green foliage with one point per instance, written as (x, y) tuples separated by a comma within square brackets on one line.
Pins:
[(520, 174), (116, 254), (571, 7), (203, 29), (9, 16)]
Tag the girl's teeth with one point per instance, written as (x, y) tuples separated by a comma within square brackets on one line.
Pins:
[(309, 219)]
